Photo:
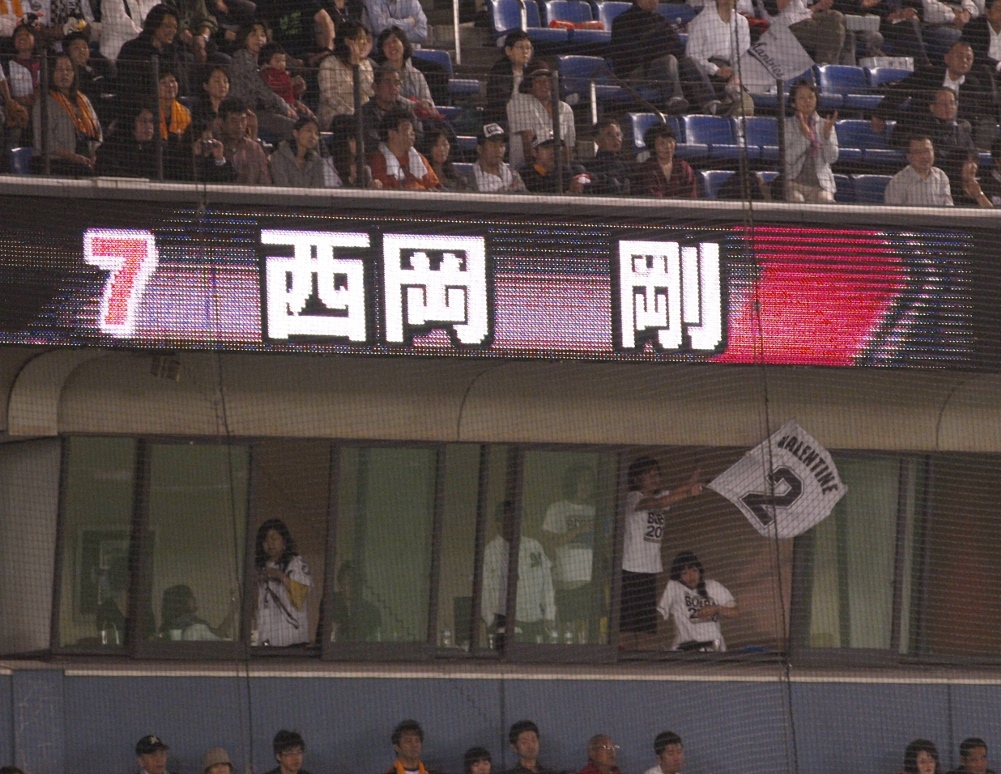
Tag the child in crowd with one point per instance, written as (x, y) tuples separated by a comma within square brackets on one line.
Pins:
[(275, 74)]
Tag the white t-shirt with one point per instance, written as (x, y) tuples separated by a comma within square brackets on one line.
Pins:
[(526, 114), (573, 560), (536, 599), (281, 624), (682, 603), (644, 531)]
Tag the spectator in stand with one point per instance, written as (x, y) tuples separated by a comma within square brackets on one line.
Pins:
[(477, 760), (13, 114), (196, 28), (818, 28), (407, 15), (662, 175), (601, 752), (811, 148), (490, 173), (966, 188), (232, 156), (175, 130), (217, 761), (408, 743), (274, 116), (983, 34), (131, 153), (524, 740), (230, 15), (342, 11), (437, 147), (122, 21), (396, 164), (506, 75), (344, 152), (394, 49), (275, 74), (920, 183), (300, 162), (530, 116), (921, 755), (136, 83), (336, 75), (952, 137), (670, 754), (943, 23), (542, 176), (152, 755), (610, 175), (972, 757), (215, 88), (977, 102), (645, 49), (25, 69), (992, 183), (289, 748), (298, 24), (717, 38), (696, 605), (73, 131), (93, 71), (386, 90), (900, 27)]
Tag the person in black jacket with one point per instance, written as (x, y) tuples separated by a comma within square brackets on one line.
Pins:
[(979, 33), (506, 75), (131, 152), (610, 174), (136, 82)]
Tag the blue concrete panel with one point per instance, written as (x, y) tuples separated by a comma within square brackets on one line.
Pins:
[(6, 720), (975, 711), (38, 720)]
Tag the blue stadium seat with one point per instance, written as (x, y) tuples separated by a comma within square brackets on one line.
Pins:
[(859, 144), (457, 87), (20, 160), (577, 11), (844, 191), (869, 189), (505, 16), (851, 84), (763, 101), (640, 122), (880, 76), (577, 72), (715, 132), (466, 144), (463, 167), (607, 11), (712, 179), (762, 133), (678, 14)]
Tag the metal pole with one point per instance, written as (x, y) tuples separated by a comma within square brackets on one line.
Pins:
[(557, 135), (158, 118), (455, 31), (359, 129), (780, 92), (43, 116)]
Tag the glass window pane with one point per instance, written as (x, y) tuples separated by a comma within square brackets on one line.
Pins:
[(851, 584), (564, 560), (197, 517), (500, 484), (96, 526), (291, 498), (385, 520)]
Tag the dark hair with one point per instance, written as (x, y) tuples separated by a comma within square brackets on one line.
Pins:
[(73, 36), (287, 740), (475, 755), (918, 137), (519, 728), (294, 144), (516, 37), (174, 605), (344, 129), (382, 72), (802, 84), (969, 745), (22, 27), (911, 754), (211, 69), (74, 87), (268, 50), (572, 476), (392, 120), (655, 132), (640, 467), (408, 726), (155, 17), (232, 105), (260, 557), (604, 122), (663, 740), (682, 562), (349, 30), (393, 32), (244, 32)]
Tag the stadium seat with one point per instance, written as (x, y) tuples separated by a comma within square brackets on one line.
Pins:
[(577, 11), (851, 84), (712, 179), (457, 87), (607, 11), (768, 100), (860, 145), (640, 122), (844, 191), (716, 133), (577, 73), (20, 160), (869, 189), (678, 14), (505, 16), (761, 133), (466, 143), (463, 167)]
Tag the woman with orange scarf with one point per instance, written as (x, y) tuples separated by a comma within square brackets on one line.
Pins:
[(175, 130), (73, 130)]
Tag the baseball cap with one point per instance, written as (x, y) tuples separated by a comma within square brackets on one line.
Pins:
[(492, 132), (150, 744), (546, 139)]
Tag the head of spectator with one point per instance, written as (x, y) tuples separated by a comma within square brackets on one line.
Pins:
[(178, 604), (437, 146), (538, 82), (608, 136), (77, 45), (305, 137), (216, 761), (252, 36), (490, 147), (959, 60), (650, 6), (944, 105), (578, 483), (215, 84), (544, 153), (351, 42), (393, 47), (505, 516), (63, 76), (289, 748), (274, 541), (687, 570), (524, 740), (387, 86), (518, 48), (151, 752), (408, 741), (161, 26), (670, 752), (24, 41), (167, 89), (921, 755), (273, 55), (661, 141), (973, 751), (921, 154), (396, 131), (803, 98), (601, 751), (477, 760), (993, 14), (344, 148), (644, 475)]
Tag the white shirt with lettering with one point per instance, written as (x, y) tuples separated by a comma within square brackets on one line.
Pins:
[(644, 531), (682, 603)]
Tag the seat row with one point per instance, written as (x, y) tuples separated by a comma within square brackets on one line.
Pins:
[(851, 189)]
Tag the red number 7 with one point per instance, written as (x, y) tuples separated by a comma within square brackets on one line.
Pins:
[(130, 259)]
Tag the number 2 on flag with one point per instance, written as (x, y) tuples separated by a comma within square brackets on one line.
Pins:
[(130, 258)]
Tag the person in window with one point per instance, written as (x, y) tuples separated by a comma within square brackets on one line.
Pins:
[(490, 173), (610, 175), (506, 75), (663, 175), (283, 583), (530, 117), (179, 617), (336, 76), (542, 177), (811, 148), (354, 618), (93, 71), (696, 605), (301, 162), (523, 736), (24, 77), (921, 757), (73, 131), (406, 15), (344, 153), (289, 748), (408, 743), (175, 130), (274, 72)]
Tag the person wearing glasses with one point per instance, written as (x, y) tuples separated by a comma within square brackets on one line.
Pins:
[(601, 751)]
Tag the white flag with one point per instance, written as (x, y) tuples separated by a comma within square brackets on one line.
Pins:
[(779, 54), (784, 485)]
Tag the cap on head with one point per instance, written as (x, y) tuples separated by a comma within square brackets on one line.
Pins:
[(492, 132), (214, 757), (539, 142), (149, 744)]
